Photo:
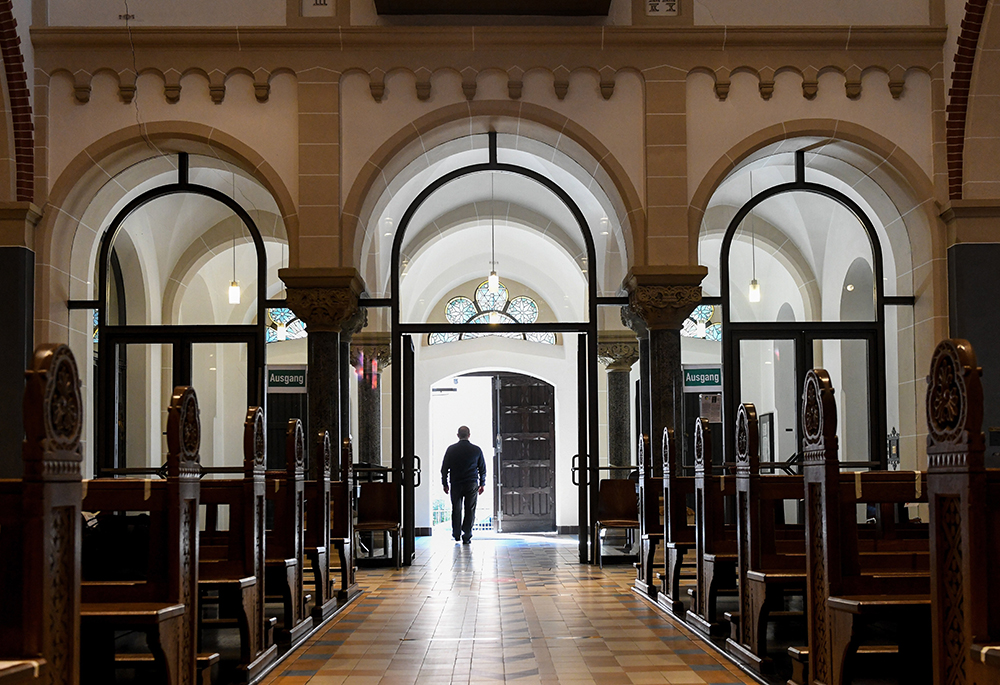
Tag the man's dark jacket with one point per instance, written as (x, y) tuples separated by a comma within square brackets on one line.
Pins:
[(466, 463)]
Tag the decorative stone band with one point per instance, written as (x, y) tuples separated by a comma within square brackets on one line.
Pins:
[(747, 440), (664, 307), (819, 416), (254, 450), (617, 353), (323, 308), (955, 408), (53, 415)]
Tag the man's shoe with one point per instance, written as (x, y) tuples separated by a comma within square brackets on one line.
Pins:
[(467, 542)]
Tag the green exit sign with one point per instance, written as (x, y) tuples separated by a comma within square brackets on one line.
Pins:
[(286, 379), (702, 378)]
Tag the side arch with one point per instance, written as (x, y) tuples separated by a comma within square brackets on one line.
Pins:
[(546, 126), (16, 93), (100, 162)]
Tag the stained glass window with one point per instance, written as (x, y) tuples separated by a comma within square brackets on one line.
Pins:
[(97, 324), (282, 316), (491, 308), (700, 325)]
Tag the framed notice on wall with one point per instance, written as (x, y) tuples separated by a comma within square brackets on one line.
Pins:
[(288, 379)]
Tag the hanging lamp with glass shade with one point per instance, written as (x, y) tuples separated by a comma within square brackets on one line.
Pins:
[(494, 280), (234, 285), (754, 293)]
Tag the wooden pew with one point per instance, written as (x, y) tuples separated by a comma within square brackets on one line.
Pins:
[(650, 524), (853, 581), (964, 499), (617, 507), (678, 533), (40, 530), (771, 554), (715, 542), (317, 533), (163, 604), (342, 524), (285, 543), (232, 561)]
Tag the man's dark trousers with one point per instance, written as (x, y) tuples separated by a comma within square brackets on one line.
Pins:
[(462, 517)]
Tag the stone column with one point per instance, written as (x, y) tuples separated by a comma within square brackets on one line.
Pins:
[(370, 354), (663, 297), (619, 351), (17, 283), (324, 298)]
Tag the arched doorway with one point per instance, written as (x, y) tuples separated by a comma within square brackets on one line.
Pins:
[(576, 328)]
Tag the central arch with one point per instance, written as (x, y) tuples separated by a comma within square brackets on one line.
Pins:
[(402, 349)]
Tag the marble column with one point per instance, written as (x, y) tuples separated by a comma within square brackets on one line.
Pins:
[(619, 351), (663, 297), (324, 298), (370, 355)]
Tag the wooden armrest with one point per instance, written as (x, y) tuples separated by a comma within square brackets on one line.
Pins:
[(866, 604), (209, 583), (988, 654), (21, 671), (280, 562), (130, 613), (776, 576)]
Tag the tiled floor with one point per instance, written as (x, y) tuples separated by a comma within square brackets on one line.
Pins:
[(519, 609)]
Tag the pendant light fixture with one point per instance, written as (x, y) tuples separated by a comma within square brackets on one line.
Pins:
[(493, 284), (234, 285), (754, 294)]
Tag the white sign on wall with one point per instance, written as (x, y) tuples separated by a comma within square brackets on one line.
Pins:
[(661, 8)]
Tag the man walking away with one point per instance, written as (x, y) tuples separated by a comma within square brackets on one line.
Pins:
[(465, 468)]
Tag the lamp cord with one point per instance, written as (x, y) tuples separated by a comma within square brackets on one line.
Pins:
[(493, 241), (753, 242)]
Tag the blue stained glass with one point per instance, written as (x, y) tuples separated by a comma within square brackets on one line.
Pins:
[(281, 315), (294, 327), (543, 338), (523, 309), (703, 312), (97, 324), (714, 332), (459, 310), (441, 338), (487, 300)]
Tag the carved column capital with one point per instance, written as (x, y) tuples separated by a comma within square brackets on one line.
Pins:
[(618, 350), (324, 298), (354, 324), (663, 297), (375, 346)]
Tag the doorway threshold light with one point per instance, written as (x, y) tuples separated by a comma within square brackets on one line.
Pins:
[(234, 292), (754, 290)]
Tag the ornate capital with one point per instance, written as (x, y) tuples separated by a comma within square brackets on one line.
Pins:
[(354, 325), (619, 351), (324, 298), (369, 346), (664, 296)]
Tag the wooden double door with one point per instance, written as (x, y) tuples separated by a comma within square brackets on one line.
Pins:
[(525, 461)]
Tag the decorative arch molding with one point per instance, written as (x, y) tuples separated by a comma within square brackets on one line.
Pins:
[(16, 94), (958, 95), (504, 117), (910, 189), (100, 162)]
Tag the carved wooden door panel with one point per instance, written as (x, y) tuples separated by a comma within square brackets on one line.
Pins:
[(524, 420)]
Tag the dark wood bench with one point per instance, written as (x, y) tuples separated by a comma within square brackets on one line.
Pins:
[(231, 563), (162, 600), (678, 532), (715, 541), (771, 564), (342, 525), (317, 531), (40, 530), (285, 540), (650, 522), (617, 507), (378, 511), (964, 499), (854, 581)]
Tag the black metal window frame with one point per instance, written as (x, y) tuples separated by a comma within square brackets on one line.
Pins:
[(402, 445), (108, 454), (871, 331)]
